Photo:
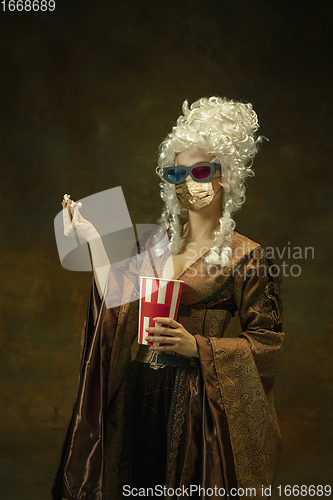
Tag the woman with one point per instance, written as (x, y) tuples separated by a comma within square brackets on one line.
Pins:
[(197, 410)]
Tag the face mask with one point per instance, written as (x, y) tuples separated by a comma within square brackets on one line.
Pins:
[(194, 195)]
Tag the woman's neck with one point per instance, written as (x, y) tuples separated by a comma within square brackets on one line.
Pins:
[(203, 223)]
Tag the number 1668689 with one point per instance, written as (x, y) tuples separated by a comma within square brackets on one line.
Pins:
[(28, 5)]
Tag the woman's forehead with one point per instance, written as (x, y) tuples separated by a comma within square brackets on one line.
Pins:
[(188, 159)]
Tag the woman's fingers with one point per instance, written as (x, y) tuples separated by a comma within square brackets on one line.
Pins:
[(71, 216), (161, 330), (160, 338), (72, 219), (173, 330), (67, 220), (168, 321), (76, 216), (175, 337)]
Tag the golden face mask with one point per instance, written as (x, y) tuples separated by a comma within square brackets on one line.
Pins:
[(194, 195)]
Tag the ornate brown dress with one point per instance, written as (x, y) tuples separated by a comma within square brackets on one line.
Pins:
[(211, 423)]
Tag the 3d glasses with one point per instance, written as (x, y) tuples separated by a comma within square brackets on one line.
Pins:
[(201, 172)]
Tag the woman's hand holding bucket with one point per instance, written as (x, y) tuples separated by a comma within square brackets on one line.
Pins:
[(174, 338)]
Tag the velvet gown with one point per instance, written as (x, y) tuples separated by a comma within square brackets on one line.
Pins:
[(212, 424)]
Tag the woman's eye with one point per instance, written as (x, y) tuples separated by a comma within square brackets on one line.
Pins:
[(201, 172), (176, 174)]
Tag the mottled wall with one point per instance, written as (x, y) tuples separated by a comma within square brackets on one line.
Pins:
[(87, 94)]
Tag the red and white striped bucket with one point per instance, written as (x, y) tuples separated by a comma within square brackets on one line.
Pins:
[(158, 297)]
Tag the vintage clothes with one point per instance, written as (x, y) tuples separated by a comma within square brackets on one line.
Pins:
[(221, 429)]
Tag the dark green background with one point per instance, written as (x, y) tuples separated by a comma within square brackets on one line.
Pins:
[(87, 94)]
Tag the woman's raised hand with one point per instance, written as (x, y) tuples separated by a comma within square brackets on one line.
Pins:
[(75, 223), (85, 232)]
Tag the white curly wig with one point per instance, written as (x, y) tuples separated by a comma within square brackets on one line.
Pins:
[(226, 130)]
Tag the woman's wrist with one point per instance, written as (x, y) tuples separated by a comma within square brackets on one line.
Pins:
[(90, 235)]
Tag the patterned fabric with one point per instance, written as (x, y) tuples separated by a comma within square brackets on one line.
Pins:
[(224, 431)]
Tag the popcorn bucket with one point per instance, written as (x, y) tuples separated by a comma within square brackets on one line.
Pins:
[(158, 297)]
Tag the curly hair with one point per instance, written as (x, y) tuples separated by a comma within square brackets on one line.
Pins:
[(224, 129)]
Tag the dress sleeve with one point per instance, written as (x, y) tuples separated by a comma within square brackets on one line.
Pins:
[(238, 374), (258, 300)]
